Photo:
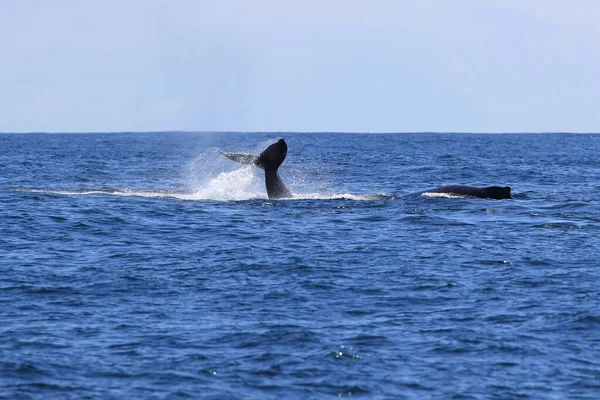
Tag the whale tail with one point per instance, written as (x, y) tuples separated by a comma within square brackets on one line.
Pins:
[(269, 160)]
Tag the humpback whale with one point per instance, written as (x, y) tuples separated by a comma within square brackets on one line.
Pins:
[(269, 160), (490, 192)]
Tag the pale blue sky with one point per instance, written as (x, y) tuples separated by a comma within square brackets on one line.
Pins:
[(306, 65)]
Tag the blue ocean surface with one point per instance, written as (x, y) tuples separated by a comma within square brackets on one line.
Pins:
[(146, 265)]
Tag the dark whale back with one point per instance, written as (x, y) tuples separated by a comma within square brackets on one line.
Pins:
[(498, 192), (490, 192)]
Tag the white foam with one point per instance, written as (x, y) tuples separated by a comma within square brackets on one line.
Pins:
[(225, 187), (124, 192), (443, 195), (228, 186)]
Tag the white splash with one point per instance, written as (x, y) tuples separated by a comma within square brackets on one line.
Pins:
[(240, 184), (228, 186)]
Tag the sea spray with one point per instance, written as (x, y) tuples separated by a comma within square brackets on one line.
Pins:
[(240, 184), (212, 177)]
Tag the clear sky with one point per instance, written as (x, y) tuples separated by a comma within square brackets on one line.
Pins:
[(304, 65)]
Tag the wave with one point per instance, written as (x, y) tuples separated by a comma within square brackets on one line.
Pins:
[(107, 191), (204, 194), (342, 196)]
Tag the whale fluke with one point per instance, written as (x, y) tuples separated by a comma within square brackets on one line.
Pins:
[(269, 160)]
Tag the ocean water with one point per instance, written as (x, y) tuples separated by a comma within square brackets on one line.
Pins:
[(145, 265)]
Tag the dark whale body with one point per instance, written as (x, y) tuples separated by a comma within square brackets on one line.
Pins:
[(269, 160), (490, 192)]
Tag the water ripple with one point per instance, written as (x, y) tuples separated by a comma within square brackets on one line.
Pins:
[(143, 266)]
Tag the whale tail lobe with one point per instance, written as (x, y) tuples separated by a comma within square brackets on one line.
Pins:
[(273, 156), (242, 158)]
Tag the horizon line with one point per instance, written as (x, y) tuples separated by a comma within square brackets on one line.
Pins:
[(298, 132)]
